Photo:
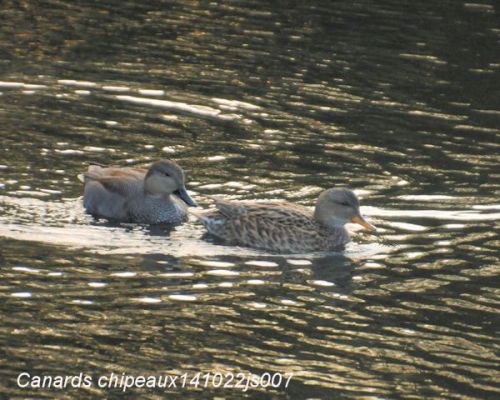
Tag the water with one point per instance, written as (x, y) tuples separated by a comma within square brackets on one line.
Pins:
[(396, 100)]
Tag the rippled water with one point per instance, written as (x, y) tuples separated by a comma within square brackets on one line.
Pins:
[(397, 100)]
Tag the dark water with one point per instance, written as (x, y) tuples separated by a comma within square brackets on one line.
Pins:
[(275, 100)]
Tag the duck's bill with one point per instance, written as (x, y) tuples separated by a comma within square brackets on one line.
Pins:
[(186, 198), (358, 219)]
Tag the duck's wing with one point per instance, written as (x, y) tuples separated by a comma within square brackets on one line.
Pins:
[(279, 215), (123, 181), (268, 225)]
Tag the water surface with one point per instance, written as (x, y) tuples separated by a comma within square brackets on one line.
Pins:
[(271, 100)]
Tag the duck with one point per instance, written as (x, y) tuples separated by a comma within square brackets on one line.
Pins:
[(149, 196), (286, 227)]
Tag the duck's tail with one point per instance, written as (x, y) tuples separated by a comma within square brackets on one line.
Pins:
[(92, 173), (206, 217), (201, 215)]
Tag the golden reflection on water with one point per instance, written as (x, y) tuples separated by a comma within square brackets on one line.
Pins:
[(255, 102)]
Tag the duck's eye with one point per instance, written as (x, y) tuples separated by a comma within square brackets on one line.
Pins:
[(344, 203), (166, 174)]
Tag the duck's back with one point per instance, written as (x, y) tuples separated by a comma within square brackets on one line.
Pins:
[(274, 226), (124, 181)]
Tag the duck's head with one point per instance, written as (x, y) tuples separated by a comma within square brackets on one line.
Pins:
[(165, 177), (336, 207)]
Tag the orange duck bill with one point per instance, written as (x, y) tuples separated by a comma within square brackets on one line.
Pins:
[(358, 219)]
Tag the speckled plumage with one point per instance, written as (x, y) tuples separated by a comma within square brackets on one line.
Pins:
[(281, 226), (122, 194)]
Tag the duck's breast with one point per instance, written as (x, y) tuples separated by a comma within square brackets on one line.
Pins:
[(155, 210)]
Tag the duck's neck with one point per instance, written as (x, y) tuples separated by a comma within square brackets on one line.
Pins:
[(327, 220), (158, 196)]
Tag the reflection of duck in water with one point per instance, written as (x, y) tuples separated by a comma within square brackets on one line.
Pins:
[(137, 195), (285, 227)]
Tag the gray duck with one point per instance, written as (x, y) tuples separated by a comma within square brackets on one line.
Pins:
[(151, 196)]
